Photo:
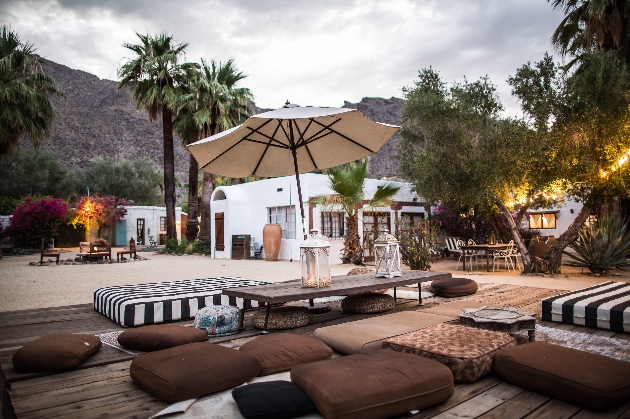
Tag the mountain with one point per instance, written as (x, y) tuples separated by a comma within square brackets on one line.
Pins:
[(95, 119)]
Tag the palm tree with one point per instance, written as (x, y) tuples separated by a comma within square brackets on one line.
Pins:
[(155, 76), (25, 106), (348, 183), (592, 24), (213, 104)]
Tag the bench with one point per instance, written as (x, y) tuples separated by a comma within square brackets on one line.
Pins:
[(130, 251), (51, 255), (99, 248)]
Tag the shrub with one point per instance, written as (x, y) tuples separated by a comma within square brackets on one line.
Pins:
[(199, 247), (415, 239), (101, 209), (173, 246), (602, 246), (35, 219)]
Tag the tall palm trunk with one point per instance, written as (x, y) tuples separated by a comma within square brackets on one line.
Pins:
[(169, 171), (352, 250), (208, 188), (192, 225)]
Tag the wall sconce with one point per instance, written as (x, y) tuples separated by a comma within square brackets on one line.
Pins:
[(572, 210)]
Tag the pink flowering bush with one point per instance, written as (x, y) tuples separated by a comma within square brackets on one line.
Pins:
[(35, 219), (99, 209)]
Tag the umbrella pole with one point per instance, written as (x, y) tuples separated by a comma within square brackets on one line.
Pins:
[(299, 188)]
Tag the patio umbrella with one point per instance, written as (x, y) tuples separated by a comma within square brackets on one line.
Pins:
[(291, 140)]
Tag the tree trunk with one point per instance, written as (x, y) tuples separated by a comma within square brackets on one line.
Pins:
[(352, 250), (169, 171), (208, 187), (516, 235), (554, 255), (192, 225)]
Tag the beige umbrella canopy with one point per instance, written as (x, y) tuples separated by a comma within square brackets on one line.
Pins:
[(291, 140)]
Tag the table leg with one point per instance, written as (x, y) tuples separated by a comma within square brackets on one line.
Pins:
[(532, 335), (420, 294), (394, 294), (488, 260), (464, 256), (264, 331)]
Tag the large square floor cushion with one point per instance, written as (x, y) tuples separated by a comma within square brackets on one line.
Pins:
[(605, 306), (158, 337), (587, 380), (164, 302), (192, 370), (467, 351), (55, 352), (369, 334), (453, 287), (377, 384), (272, 400), (280, 352)]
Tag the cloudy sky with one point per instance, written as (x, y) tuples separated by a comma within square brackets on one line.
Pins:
[(311, 52)]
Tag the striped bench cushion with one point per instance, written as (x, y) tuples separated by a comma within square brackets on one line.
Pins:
[(604, 306), (162, 302)]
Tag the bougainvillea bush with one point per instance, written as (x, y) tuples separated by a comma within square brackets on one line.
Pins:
[(35, 219), (99, 209)]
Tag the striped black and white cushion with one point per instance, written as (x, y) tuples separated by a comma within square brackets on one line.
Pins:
[(605, 306), (161, 302)]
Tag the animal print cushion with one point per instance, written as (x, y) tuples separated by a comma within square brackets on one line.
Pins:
[(467, 351)]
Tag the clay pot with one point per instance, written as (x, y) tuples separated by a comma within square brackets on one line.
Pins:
[(272, 235)]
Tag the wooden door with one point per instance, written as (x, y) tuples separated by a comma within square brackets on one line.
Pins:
[(219, 233), (140, 239)]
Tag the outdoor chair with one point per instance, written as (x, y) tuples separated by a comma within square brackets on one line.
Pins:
[(471, 254), (506, 255), (258, 249), (516, 254), (452, 246)]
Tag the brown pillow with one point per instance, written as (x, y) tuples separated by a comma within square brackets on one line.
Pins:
[(453, 287), (282, 351), (55, 352), (158, 337), (188, 371)]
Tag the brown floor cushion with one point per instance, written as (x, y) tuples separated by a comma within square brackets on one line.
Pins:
[(369, 334), (158, 337), (467, 351), (55, 352), (453, 287), (587, 380), (367, 303), (282, 318), (188, 371), (377, 384), (280, 352)]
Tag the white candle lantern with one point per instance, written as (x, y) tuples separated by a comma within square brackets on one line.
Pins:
[(387, 256), (315, 256)]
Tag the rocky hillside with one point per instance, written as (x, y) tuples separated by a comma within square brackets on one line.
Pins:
[(97, 120)]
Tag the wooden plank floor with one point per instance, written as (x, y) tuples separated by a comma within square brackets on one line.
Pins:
[(101, 386)]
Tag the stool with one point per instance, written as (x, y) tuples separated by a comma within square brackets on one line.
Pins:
[(52, 255), (468, 352), (219, 320), (367, 303), (281, 318)]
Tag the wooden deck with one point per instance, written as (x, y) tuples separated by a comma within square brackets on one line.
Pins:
[(101, 386)]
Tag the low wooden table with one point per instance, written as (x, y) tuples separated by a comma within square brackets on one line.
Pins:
[(487, 247), (508, 320), (340, 285)]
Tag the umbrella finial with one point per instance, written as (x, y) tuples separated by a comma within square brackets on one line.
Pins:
[(290, 105)]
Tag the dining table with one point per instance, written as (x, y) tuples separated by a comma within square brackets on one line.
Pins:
[(487, 247)]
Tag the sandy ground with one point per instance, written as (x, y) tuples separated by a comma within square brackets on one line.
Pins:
[(23, 286)]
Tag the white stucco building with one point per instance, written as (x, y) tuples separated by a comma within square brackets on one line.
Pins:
[(553, 221), (244, 209), (144, 222)]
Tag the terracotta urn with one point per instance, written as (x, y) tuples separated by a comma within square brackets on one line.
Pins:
[(272, 235)]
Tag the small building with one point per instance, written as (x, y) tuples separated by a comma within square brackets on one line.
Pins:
[(244, 209), (145, 223), (552, 221)]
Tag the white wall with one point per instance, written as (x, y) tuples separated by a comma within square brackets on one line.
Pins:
[(151, 215), (564, 218), (245, 209)]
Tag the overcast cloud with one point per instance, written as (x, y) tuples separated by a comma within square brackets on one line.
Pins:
[(317, 52)]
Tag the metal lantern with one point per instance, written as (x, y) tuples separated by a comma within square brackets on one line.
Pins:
[(387, 256), (315, 256)]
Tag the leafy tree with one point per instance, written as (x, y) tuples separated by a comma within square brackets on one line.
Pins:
[(155, 76), (348, 185), (589, 140), (100, 209), (591, 25), (455, 149), (35, 222), (136, 181), (213, 104), (25, 106), (31, 173)]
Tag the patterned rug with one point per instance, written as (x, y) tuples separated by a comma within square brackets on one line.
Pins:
[(600, 345)]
